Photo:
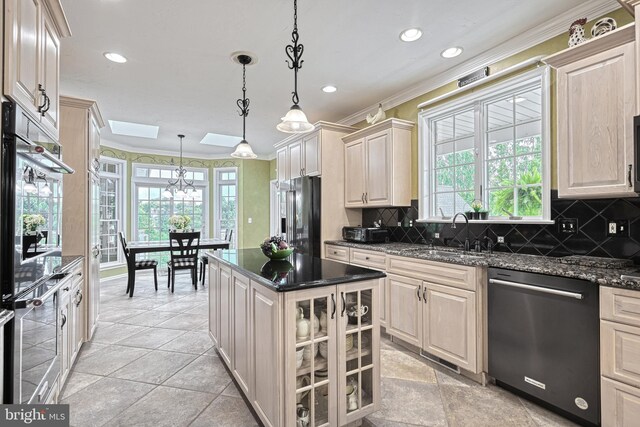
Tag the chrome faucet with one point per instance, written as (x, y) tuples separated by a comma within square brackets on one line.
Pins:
[(467, 244)]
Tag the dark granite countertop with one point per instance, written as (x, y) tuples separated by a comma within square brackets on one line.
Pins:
[(602, 271), (293, 273)]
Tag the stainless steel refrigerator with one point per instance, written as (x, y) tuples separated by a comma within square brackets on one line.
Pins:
[(300, 204)]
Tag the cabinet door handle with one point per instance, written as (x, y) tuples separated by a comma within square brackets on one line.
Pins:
[(629, 175), (64, 321), (48, 104), (424, 294), (362, 197), (366, 197), (344, 303), (44, 98), (418, 293), (333, 304), (80, 300), (66, 289)]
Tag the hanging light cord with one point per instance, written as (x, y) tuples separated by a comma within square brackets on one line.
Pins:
[(181, 172), (294, 52), (243, 103)]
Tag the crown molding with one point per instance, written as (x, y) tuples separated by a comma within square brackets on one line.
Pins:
[(320, 125), (54, 8), (630, 5), (383, 125), (524, 41), (152, 152), (87, 104)]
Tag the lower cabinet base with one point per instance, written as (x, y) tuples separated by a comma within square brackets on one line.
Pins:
[(481, 378), (620, 404)]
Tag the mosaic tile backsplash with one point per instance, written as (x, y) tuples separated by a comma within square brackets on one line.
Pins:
[(591, 238)]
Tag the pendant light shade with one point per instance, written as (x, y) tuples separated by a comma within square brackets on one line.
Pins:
[(243, 149), (295, 121)]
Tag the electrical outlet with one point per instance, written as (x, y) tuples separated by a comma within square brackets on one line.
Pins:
[(618, 228), (436, 235), (568, 225), (500, 239)]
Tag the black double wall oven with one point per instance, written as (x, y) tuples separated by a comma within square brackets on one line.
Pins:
[(30, 255)]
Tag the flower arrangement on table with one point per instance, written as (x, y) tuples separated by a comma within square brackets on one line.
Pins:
[(180, 222), (276, 247), (31, 222)]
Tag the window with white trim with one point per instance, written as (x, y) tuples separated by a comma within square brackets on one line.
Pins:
[(151, 209), (112, 173), (492, 147), (226, 206)]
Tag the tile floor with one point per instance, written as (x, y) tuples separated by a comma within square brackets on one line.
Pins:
[(151, 363)]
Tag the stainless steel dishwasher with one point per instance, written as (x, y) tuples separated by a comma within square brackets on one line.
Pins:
[(544, 340)]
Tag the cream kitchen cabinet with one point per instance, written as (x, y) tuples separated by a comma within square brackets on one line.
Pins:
[(376, 261), (437, 307), (259, 342), (596, 103), (304, 156), (80, 123), (70, 321), (77, 314), (214, 296), (378, 165), (449, 324), (295, 159), (282, 165), (224, 305), (33, 29), (620, 356), (64, 337), (240, 355), (404, 319)]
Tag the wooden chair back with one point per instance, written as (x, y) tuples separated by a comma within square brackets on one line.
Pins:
[(123, 242), (184, 246)]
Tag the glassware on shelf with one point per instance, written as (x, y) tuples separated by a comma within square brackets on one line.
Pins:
[(352, 394)]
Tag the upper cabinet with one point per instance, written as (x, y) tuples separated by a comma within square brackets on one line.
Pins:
[(33, 29), (302, 157), (596, 104), (378, 165)]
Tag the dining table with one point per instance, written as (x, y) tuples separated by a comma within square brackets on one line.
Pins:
[(148, 246)]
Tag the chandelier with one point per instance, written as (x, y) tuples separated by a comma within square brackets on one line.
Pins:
[(180, 187), (295, 121), (243, 149)]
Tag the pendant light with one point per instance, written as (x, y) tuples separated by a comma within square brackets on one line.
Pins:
[(243, 149), (295, 120), (182, 187)]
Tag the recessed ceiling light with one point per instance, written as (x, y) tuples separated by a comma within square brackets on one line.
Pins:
[(133, 129), (329, 88), (220, 140), (115, 57), (451, 52), (411, 34)]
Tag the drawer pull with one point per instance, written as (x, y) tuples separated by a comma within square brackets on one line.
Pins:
[(335, 252), (418, 293), (367, 258)]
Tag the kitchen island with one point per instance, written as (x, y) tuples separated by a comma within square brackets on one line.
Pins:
[(300, 336)]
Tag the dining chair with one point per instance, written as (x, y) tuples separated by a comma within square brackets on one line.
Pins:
[(204, 259), (145, 264), (184, 256)]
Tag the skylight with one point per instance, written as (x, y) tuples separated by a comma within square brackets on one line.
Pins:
[(134, 129), (220, 140)]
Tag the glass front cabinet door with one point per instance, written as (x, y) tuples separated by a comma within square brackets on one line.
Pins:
[(332, 354)]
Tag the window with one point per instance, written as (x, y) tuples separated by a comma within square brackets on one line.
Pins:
[(151, 211), (491, 146), (226, 206), (111, 209)]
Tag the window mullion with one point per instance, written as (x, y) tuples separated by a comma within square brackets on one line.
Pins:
[(479, 148)]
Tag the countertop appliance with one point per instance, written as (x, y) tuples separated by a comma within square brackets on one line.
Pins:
[(544, 341), (302, 219), (365, 234), (30, 184)]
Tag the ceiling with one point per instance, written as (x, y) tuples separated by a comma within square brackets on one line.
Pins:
[(179, 75)]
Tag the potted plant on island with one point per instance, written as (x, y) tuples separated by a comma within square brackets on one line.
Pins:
[(179, 223), (31, 223)]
